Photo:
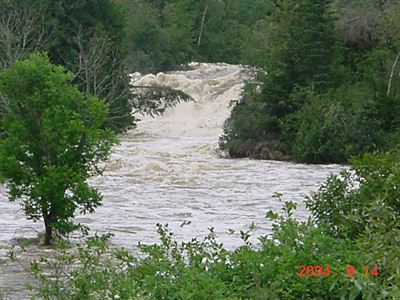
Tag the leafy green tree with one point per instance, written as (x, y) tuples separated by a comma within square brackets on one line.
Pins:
[(53, 141)]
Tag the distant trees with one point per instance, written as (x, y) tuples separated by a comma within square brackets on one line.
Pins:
[(316, 53), (99, 71), (53, 141), (87, 37), (302, 48), (163, 34), (323, 99)]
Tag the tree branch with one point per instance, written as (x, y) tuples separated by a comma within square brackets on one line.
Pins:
[(392, 74)]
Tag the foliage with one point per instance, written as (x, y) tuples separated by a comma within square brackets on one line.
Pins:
[(323, 100), (53, 142), (164, 34), (331, 92), (345, 202), (92, 272), (303, 53), (22, 30), (154, 100), (245, 124), (362, 205), (70, 18), (89, 39), (304, 48), (334, 126), (86, 37)]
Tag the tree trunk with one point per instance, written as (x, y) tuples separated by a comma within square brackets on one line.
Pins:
[(49, 231)]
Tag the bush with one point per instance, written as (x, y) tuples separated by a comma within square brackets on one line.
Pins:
[(344, 202), (334, 126), (249, 127)]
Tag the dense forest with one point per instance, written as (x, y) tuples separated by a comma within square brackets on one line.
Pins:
[(331, 87), (327, 90), (164, 34)]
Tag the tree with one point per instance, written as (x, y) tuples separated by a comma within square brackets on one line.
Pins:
[(21, 31), (52, 143), (75, 34), (99, 72), (315, 43), (88, 40), (303, 52)]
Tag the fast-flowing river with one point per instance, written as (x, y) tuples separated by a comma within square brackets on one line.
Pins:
[(168, 170)]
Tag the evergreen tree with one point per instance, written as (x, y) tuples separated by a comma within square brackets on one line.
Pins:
[(302, 56), (302, 53), (315, 44)]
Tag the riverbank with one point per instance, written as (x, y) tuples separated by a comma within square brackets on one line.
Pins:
[(347, 250)]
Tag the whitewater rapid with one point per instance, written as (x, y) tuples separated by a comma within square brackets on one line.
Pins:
[(169, 170)]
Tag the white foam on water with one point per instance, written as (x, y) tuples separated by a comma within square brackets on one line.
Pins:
[(169, 171)]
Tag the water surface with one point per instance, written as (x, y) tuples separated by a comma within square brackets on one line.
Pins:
[(169, 170)]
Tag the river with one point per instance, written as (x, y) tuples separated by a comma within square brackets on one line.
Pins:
[(168, 170)]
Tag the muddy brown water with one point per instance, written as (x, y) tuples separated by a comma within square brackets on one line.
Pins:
[(168, 170)]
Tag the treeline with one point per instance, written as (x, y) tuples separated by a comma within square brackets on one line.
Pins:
[(165, 33), (332, 88), (86, 37), (89, 38)]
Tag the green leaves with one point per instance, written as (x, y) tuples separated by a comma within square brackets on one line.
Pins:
[(53, 142), (164, 34)]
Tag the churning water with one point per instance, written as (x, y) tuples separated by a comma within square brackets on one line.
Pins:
[(168, 170)]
